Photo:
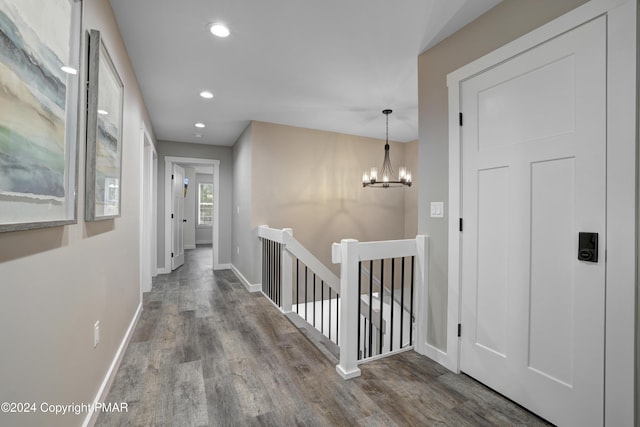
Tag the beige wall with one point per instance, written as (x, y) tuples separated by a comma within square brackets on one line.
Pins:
[(504, 23), (310, 181), (56, 283), (411, 194)]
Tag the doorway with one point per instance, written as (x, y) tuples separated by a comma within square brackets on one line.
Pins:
[(200, 163), (148, 213), (533, 179), (619, 244)]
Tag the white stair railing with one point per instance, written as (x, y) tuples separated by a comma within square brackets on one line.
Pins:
[(354, 315), (356, 347), (297, 282)]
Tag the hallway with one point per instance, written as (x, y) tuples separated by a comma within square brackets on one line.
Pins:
[(207, 352)]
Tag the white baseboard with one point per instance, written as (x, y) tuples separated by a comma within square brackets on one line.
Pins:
[(245, 282), (204, 242), (226, 266), (189, 246), (438, 356), (91, 417), (164, 270)]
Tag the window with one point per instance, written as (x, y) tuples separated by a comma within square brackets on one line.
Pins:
[(205, 203)]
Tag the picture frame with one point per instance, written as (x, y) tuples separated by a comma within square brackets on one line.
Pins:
[(39, 113), (105, 98)]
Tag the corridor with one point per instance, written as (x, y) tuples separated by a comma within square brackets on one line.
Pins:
[(208, 353)]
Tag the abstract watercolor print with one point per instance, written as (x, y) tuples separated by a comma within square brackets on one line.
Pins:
[(35, 49), (108, 146)]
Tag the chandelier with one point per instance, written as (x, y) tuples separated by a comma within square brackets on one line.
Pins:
[(385, 178)]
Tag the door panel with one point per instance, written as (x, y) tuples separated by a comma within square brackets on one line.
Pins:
[(533, 177), (177, 224), (552, 283), (493, 254)]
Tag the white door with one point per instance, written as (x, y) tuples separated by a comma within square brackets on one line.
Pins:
[(533, 177), (177, 217)]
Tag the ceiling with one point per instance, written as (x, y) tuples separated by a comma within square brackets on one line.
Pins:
[(322, 64)]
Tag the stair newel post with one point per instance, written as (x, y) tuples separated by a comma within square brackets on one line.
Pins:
[(421, 289), (346, 253), (286, 271)]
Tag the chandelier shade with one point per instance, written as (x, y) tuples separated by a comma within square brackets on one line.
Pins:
[(385, 177)]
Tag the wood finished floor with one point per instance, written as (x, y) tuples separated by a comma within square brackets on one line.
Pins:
[(208, 353)]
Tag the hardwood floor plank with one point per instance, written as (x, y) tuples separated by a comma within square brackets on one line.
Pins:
[(189, 396), (127, 385), (253, 397), (155, 406), (223, 404), (186, 299), (147, 323), (203, 307)]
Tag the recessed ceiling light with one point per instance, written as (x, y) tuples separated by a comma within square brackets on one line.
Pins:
[(200, 125), (206, 94), (69, 70), (219, 30), (103, 112)]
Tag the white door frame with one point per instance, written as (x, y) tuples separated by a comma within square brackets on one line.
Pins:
[(148, 210), (620, 399), (168, 164)]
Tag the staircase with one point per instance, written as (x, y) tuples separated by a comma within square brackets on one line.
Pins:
[(367, 313)]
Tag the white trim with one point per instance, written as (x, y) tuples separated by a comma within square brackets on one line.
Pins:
[(621, 255), (451, 355), (384, 355), (204, 242), (189, 247), (92, 416), (245, 282), (226, 266), (387, 249), (294, 247), (621, 194), (148, 211), (271, 234), (347, 375), (164, 270), (168, 162), (422, 289)]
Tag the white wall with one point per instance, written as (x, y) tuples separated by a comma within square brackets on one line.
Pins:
[(56, 283)]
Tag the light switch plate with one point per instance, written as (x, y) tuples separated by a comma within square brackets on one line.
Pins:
[(437, 209)]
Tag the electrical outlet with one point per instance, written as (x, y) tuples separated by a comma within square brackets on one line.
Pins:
[(96, 334)]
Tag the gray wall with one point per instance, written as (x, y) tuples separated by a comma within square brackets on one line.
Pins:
[(55, 283), (502, 24), (244, 238)]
